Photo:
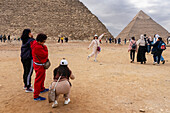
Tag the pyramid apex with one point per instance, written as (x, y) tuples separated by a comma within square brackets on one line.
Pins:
[(142, 15)]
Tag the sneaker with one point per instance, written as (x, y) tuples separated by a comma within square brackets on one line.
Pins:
[(154, 63), (55, 104), (24, 88), (30, 90), (67, 101), (163, 62), (88, 57), (95, 60), (39, 98), (45, 90)]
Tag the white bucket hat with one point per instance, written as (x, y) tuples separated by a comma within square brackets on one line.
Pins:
[(95, 35), (63, 62)]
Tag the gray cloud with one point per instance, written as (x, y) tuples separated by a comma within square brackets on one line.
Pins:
[(116, 14)]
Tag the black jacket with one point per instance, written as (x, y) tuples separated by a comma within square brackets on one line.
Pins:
[(26, 52)]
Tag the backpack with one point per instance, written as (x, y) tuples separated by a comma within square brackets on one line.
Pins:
[(162, 46), (134, 46)]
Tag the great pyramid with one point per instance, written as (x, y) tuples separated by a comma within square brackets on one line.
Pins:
[(142, 24), (53, 17)]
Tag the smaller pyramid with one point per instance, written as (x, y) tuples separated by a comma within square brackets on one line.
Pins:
[(142, 24)]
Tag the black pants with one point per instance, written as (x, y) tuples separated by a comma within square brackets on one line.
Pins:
[(28, 69), (132, 55)]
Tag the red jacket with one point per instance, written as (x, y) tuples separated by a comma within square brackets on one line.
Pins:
[(40, 50)]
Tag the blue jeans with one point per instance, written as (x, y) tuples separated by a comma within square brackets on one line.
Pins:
[(162, 59)]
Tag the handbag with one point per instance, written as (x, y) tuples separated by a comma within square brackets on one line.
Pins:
[(98, 47), (52, 93), (47, 64)]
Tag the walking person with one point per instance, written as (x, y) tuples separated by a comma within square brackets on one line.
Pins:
[(96, 46), (1, 38), (142, 50), (26, 59), (40, 56), (132, 48), (9, 38), (157, 50), (62, 74), (156, 36)]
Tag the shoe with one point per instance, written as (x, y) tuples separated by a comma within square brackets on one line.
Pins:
[(55, 104), (24, 88), (141, 63), (30, 90), (144, 62), (154, 63), (45, 90), (39, 98), (67, 101), (95, 60), (163, 62), (131, 61), (88, 57)]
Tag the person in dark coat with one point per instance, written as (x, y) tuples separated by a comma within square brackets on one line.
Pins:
[(157, 51), (26, 59)]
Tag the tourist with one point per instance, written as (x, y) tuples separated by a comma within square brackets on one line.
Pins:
[(110, 40), (141, 51), (62, 39), (59, 40), (96, 46), (62, 74), (125, 41), (4, 38), (119, 40), (132, 48), (157, 51), (40, 56), (1, 38), (106, 39), (156, 36), (9, 39), (26, 59)]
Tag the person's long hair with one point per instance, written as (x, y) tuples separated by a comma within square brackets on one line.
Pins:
[(25, 35), (62, 70)]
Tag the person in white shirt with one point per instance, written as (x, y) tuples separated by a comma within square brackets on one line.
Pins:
[(96, 46)]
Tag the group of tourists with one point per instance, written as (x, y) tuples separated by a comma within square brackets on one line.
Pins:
[(147, 45), (4, 38), (34, 56), (62, 39)]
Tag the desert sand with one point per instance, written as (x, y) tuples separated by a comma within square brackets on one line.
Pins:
[(111, 85)]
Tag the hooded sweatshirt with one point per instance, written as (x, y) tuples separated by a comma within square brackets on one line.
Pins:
[(40, 51)]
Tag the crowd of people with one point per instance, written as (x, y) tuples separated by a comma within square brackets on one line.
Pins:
[(34, 55), (4, 38), (146, 45)]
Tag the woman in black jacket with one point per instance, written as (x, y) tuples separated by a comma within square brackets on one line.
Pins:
[(26, 59)]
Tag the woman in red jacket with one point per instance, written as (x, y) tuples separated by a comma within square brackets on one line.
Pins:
[(40, 56)]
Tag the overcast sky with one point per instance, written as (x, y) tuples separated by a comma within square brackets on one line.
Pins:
[(116, 14)]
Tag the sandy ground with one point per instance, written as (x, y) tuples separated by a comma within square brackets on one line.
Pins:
[(111, 85)]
